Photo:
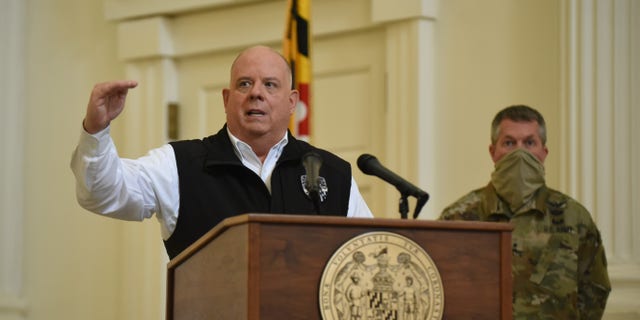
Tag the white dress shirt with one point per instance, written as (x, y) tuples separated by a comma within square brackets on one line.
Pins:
[(135, 189)]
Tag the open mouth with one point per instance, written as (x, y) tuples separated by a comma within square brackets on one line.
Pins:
[(255, 113)]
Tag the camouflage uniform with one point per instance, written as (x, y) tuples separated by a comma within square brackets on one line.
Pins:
[(559, 267)]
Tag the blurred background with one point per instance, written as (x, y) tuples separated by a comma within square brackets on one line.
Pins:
[(414, 82)]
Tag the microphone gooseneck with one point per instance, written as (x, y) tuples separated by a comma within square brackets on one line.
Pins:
[(370, 165)]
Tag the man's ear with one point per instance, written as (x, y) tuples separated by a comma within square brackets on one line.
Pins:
[(225, 98), (294, 97), (546, 153), (492, 152)]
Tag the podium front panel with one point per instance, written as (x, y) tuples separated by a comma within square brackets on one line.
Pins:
[(270, 266)]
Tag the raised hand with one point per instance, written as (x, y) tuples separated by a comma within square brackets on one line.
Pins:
[(105, 104)]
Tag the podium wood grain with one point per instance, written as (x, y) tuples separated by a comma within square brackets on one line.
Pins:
[(265, 266)]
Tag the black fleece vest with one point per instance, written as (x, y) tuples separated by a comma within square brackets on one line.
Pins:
[(214, 185)]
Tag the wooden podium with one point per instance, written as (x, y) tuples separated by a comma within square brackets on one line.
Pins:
[(265, 266)]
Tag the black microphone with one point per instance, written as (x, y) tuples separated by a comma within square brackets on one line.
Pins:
[(312, 163), (371, 166)]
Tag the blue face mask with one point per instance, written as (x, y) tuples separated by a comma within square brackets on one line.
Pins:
[(517, 176)]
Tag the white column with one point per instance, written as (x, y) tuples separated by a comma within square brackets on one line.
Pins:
[(601, 57), (12, 98), (634, 118), (147, 48), (410, 85)]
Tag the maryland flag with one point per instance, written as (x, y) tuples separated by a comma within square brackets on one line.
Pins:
[(296, 48)]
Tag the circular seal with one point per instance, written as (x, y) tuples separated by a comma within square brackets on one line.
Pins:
[(381, 275)]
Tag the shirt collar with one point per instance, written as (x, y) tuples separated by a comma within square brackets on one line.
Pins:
[(245, 153), (250, 160), (499, 208)]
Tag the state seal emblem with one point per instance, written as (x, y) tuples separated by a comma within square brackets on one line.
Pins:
[(381, 275)]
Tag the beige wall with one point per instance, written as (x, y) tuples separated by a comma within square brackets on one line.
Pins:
[(70, 263), (489, 54)]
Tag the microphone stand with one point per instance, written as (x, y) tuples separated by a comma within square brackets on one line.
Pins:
[(404, 205), (419, 204), (315, 198)]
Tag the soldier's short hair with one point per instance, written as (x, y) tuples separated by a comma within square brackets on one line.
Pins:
[(518, 113)]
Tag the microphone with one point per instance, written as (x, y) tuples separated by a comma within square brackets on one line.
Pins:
[(370, 165), (312, 163)]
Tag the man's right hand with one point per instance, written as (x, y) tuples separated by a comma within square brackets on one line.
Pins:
[(105, 104)]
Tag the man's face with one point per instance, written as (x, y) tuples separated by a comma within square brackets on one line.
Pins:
[(513, 135), (259, 101)]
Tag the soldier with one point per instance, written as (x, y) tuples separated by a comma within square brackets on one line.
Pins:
[(559, 266)]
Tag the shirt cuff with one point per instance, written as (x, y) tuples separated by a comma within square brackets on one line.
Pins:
[(94, 144)]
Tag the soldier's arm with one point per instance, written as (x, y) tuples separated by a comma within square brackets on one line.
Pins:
[(465, 208), (593, 278)]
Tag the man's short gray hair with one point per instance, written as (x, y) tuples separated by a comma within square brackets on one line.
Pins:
[(518, 113)]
